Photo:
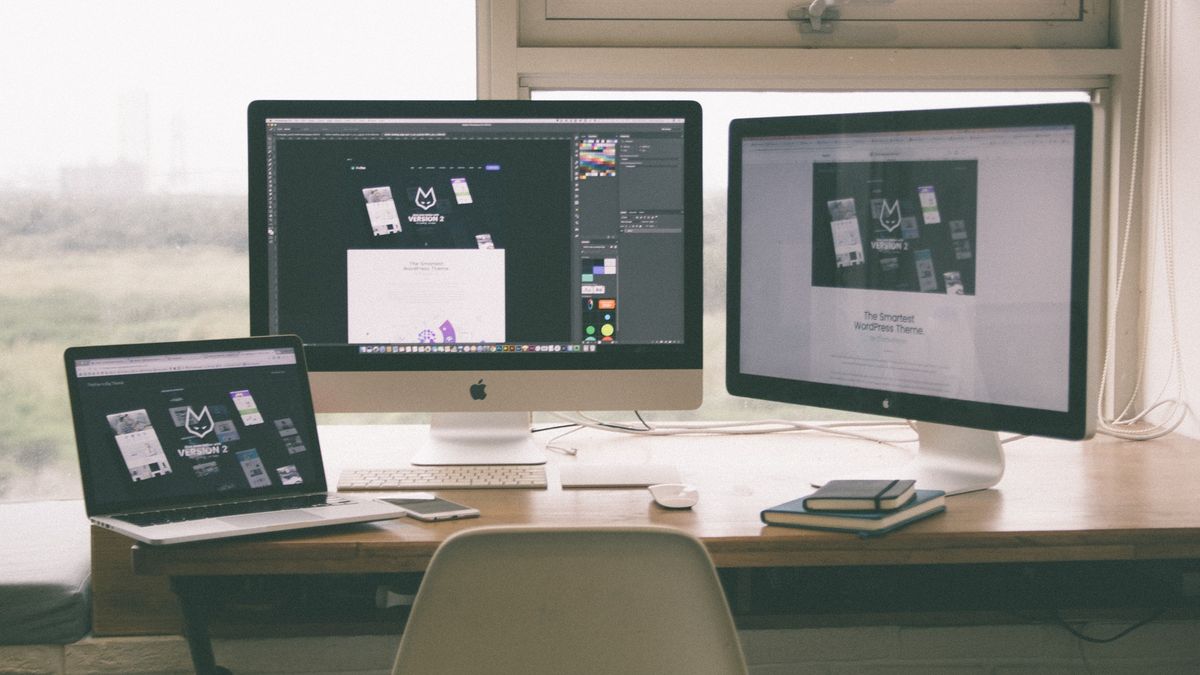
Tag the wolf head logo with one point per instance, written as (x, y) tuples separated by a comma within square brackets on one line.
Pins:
[(889, 214), (198, 425), (425, 198)]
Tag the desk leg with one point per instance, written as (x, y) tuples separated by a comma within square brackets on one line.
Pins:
[(194, 602)]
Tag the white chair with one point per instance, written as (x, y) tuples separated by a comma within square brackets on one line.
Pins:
[(570, 600)]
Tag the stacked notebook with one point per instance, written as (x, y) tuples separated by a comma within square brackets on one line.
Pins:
[(864, 507)]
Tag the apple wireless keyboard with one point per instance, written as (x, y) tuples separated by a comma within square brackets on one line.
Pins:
[(471, 476)]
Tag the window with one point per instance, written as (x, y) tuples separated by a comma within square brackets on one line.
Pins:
[(122, 181), (531, 46), (719, 109)]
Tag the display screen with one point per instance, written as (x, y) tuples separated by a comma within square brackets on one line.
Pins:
[(498, 230), (161, 429), (942, 256)]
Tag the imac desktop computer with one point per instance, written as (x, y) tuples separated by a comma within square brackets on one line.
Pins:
[(481, 260), (927, 265)]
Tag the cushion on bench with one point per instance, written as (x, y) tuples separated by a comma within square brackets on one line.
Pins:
[(45, 572)]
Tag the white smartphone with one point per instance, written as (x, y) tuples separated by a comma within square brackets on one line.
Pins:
[(434, 509)]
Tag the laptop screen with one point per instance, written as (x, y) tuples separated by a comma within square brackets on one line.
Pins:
[(171, 424)]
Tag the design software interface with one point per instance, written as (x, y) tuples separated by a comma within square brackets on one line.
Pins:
[(476, 235)]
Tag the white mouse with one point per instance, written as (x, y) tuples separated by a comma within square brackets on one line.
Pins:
[(675, 495)]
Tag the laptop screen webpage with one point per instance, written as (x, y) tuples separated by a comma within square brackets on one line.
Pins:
[(168, 429)]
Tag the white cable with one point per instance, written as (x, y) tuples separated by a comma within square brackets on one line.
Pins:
[(755, 427), (1127, 424), (1123, 256), (566, 450)]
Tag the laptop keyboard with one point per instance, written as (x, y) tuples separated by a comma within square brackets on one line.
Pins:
[(445, 477), (162, 517)]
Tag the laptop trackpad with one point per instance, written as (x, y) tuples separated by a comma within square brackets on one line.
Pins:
[(269, 518)]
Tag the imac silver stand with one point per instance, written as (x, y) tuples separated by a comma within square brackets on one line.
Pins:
[(955, 459), (480, 438)]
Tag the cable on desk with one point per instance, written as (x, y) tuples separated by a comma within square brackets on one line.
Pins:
[(553, 428), (576, 426), (1065, 625), (753, 427)]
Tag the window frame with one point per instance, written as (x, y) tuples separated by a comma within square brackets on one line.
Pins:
[(785, 23), (511, 64)]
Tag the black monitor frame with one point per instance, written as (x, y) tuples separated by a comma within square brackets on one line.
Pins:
[(1074, 423), (686, 356), (481, 397)]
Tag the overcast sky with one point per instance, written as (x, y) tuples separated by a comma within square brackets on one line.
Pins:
[(181, 74), (166, 82)]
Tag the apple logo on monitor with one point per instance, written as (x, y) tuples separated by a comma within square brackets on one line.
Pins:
[(479, 391)]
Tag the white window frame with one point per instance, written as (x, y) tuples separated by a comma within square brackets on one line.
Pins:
[(510, 69), (826, 23)]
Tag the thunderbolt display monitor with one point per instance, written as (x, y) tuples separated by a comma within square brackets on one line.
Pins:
[(481, 260), (928, 265)]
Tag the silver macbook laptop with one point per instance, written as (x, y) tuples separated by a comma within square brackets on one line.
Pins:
[(185, 441)]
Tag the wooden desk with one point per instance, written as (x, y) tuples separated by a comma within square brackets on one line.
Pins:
[(1102, 500)]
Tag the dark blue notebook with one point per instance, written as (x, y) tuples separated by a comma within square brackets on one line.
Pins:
[(793, 514)]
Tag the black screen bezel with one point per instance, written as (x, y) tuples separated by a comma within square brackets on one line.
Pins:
[(1070, 424), (686, 356), (92, 501)]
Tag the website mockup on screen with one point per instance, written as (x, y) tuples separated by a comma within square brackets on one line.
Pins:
[(927, 262), (475, 234)]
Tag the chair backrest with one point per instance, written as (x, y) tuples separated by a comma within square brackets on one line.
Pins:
[(570, 600)]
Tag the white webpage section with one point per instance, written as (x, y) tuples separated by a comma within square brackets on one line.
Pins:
[(383, 216), (166, 363), (1006, 344), (425, 296), (143, 455)]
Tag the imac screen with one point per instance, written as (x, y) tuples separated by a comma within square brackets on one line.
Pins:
[(446, 250)]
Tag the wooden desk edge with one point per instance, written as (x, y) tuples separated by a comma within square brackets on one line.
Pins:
[(793, 549), (1059, 501)]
